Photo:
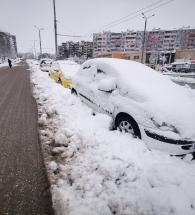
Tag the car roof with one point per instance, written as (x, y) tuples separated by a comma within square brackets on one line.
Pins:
[(178, 63)]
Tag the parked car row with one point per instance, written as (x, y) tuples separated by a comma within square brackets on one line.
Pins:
[(141, 102), (55, 72), (179, 67)]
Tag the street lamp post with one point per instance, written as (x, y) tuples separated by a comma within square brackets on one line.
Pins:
[(143, 41), (39, 30)]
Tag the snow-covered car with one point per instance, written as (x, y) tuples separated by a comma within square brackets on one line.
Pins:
[(55, 72), (141, 102), (181, 67), (45, 64), (69, 68), (63, 71)]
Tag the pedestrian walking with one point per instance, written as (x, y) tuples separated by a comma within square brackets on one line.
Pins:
[(10, 63)]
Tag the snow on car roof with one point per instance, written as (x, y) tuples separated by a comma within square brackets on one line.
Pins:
[(182, 62), (135, 76), (159, 95), (69, 68)]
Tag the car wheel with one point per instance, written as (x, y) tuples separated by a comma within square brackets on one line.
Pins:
[(127, 124), (73, 91)]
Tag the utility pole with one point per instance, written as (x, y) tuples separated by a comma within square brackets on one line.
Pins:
[(34, 46), (39, 30), (144, 37), (55, 29)]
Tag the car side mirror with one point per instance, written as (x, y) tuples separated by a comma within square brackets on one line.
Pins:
[(107, 85)]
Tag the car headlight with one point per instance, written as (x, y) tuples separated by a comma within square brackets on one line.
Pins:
[(164, 126)]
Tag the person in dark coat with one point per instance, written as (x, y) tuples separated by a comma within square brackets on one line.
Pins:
[(10, 63)]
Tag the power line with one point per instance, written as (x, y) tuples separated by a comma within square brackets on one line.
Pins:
[(145, 11), (135, 13), (132, 13)]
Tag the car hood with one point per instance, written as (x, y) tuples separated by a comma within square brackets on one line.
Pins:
[(166, 103)]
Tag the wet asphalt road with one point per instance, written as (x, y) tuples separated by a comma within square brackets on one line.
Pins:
[(24, 187)]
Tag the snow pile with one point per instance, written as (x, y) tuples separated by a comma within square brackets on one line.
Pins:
[(96, 171), (69, 68), (4, 64), (186, 80)]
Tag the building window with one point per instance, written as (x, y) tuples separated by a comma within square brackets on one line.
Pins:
[(136, 57)]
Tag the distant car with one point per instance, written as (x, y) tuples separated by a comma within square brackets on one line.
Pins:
[(192, 66), (141, 102), (180, 67), (45, 64), (55, 71)]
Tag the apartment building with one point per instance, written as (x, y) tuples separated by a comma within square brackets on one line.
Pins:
[(107, 42), (132, 41), (8, 45), (80, 49), (157, 42)]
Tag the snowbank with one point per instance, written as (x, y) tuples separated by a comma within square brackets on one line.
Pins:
[(4, 64), (186, 80), (96, 171)]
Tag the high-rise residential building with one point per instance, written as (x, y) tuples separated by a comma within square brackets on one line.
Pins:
[(8, 45), (108, 42), (159, 41), (80, 49)]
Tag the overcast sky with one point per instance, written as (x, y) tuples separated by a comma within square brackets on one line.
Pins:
[(83, 17)]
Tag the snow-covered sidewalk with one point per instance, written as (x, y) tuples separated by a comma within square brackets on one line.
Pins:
[(4, 64), (96, 171)]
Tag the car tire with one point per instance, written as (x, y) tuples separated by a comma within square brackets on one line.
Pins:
[(125, 123), (74, 92)]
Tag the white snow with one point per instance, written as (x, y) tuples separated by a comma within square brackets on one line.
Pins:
[(69, 68), (4, 64), (186, 80), (96, 171)]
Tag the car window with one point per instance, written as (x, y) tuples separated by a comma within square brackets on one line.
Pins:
[(100, 71), (86, 67), (100, 74)]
